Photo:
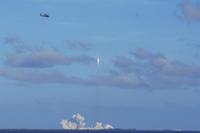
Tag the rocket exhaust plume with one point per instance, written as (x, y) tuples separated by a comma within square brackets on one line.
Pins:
[(78, 123), (98, 60)]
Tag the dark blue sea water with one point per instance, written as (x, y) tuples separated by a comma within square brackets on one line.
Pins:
[(89, 131)]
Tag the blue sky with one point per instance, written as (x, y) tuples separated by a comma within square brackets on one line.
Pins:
[(148, 77)]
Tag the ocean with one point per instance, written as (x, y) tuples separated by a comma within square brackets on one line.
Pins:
[(90, 131)]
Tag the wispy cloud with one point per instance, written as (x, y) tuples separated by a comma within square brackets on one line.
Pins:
[(157, 71), (16, 43), (39, 77), (78, 45), (144, 69), (190, 10), (24, 55), (117, 81), (43, 59), (139, 69)]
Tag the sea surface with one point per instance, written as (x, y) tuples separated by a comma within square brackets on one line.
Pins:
[(91, 131)]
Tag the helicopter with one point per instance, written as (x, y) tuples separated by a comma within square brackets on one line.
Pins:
[(44, 15)]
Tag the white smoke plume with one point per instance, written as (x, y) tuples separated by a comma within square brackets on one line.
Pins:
[(100, 125), (80, 120), (78, 123)]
